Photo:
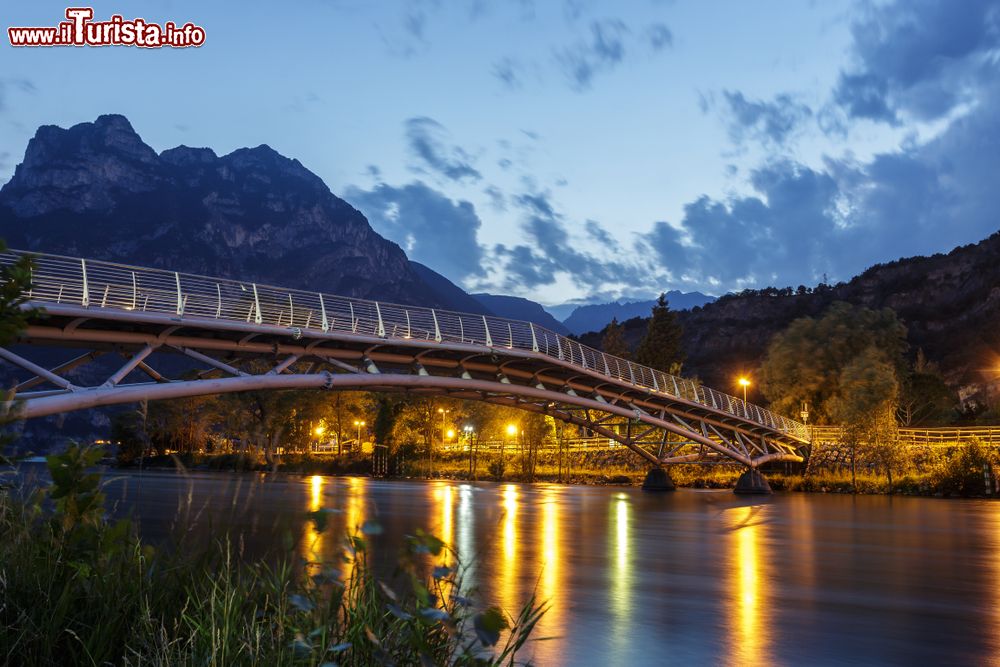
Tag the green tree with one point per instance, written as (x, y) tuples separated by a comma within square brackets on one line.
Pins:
[(15, 285), (865, 404), (925, 399), (613, 341), (805, 363), (660, 348)]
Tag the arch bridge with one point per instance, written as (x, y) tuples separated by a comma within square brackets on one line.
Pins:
[(323, 341)]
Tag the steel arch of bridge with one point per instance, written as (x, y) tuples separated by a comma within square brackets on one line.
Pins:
[(312, 340)]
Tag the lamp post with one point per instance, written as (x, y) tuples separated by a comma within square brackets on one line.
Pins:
[(512, 433), (359, 424), (443, 412), (744, 382), (468, 446), (318, 432)]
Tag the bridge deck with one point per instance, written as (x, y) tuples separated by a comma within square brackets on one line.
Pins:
[(106, 306)]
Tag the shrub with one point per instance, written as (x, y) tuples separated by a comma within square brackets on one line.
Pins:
[(77, 589)]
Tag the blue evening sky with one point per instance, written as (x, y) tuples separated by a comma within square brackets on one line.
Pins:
[(577, 150)]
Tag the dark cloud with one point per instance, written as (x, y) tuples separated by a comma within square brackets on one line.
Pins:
[(771, 123), (598, 233), (659, 36), (841, 219), (921, 58), (602, 52), (9, 84), (753, 240), (428, 142), (552, 252), (497, 198), (433, 229), (509, 72)]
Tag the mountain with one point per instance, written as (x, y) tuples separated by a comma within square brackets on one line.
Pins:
[(596, 316), (516, 308), (950, 304), (448, 292), (96, 190)]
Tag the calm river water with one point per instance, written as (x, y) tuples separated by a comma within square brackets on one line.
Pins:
[(693, 577)]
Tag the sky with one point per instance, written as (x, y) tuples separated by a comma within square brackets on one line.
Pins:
[(577, 150)]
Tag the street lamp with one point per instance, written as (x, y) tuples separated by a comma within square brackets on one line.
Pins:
[(512, 430), (359, 424), (319, 431), (744, 382)]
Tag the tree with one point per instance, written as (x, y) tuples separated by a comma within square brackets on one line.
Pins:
[(613, 341), (345, 408), (660, 348), (925, 399), (805, 362), (15, 284), (865, 404)]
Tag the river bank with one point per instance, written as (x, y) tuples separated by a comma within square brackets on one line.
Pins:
[(952, 478)]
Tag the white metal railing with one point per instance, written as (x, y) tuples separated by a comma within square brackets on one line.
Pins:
[(97, 284)]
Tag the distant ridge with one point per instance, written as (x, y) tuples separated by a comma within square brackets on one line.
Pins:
[(516, 308), (596, 316)]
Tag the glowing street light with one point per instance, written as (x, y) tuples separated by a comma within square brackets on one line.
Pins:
[(744, 382), (512, 430), (443, 412), (319, 431), (359, 424)]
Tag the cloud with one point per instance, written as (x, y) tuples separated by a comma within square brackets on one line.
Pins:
[(771, 123), (428, 143), (432, 228), (552, 253), (497, 198), (844, 217), (603, 51), (509, 72), (15, 84), (919, 58), (659, 36), (601, 235)]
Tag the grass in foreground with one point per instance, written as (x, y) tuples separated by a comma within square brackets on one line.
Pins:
[(76, 589)]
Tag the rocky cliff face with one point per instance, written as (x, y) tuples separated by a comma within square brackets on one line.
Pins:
[(950, 304), (96, 190)]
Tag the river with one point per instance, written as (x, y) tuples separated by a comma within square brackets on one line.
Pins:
[(691, 577)]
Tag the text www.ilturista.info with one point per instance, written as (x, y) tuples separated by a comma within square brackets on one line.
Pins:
[(81, 30)]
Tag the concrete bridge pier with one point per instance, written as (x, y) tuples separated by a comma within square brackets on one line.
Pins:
[(657, 479), (752, 482)]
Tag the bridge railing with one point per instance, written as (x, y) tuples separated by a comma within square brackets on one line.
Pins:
[(98, 284)]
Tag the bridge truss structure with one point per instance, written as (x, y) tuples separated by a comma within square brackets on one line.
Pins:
[(246, 336)]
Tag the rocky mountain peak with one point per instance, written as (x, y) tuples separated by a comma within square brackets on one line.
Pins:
[(96, 190)]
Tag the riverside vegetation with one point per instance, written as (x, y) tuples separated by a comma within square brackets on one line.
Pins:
[(76, 588)]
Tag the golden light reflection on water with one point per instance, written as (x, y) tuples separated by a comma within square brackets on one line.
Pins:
[(319, 546), (552, 584), (444, 528), (993, 529), (621, 573), (749, 640), (509, 569), (465, 544), (312, 543)]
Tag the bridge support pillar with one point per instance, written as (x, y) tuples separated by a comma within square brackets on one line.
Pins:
[(657, 479), (752, 482)]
